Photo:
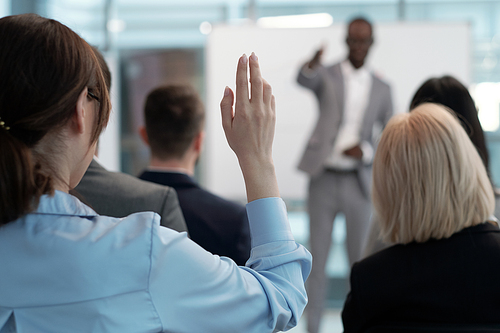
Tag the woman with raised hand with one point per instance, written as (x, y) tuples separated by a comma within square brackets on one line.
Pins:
[(66, 269), (433, 200)]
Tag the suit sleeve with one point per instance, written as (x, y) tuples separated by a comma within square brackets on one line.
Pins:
[(171, 213), (195, 291), (310, 78)]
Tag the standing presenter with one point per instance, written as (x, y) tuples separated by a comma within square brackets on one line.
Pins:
[(339, 153)]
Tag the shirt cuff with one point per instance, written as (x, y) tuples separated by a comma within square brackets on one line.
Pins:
[(367, 150), (268, 221), (309, 72)]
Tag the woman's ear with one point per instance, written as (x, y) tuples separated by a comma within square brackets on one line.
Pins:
[(80, 114)]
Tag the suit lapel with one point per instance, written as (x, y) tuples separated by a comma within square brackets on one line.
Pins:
[(371, 110), (338, 82)]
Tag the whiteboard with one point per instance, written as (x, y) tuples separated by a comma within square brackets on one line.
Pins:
[(404, 55)]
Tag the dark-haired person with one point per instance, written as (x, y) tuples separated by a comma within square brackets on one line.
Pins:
[(338, 156), (64, 268), (450, 92), (433, 200), (174, 118), (118, 194)]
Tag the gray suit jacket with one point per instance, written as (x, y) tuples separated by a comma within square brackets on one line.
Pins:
[(328, 86), (118, 194)]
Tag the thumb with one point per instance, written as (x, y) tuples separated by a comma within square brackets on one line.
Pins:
[(226, 108)]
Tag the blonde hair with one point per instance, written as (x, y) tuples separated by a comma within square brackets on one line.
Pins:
[(428, 179)]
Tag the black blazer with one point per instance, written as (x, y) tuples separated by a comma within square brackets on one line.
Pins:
[(454, 280), (218, 225)]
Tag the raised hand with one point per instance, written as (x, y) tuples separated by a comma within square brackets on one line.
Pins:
[(249, 128), (316, 60), (354, 152)]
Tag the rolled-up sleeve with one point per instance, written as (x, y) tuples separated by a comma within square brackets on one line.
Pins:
[(194, 291)]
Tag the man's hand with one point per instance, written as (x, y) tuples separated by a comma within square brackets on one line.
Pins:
[(316, 60), (354, 152)]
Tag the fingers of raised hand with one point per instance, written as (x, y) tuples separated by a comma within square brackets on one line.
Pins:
[(242, 80), (256, 78), (267, 92), (226, 108), (261, 91)]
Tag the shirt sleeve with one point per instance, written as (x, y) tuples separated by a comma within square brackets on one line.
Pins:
[(309, 72), (195, 291), (242, 247)]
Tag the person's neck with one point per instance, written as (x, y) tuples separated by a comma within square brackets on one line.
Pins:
[(57, 166), (356, 64), (183, 165)]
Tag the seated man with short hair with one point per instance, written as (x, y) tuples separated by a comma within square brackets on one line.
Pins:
[(174, 119)]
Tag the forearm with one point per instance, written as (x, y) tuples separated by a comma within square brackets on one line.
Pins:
[(266, 296), (279, 264), (260, 179), (275, 251)]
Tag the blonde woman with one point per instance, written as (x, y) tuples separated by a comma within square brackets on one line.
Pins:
[(433, 199)]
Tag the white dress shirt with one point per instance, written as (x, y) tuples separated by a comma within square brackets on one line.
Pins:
[(357, 87)]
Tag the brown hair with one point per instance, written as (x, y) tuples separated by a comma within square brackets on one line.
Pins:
[(44, 67), (104, 67), (173, 115)]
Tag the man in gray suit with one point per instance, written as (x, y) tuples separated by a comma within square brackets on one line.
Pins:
[(118, 194), (339, 153)]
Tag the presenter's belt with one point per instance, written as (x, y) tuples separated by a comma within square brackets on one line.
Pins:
[(342, 171)]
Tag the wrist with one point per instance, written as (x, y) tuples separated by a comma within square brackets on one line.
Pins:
[(260, 178)]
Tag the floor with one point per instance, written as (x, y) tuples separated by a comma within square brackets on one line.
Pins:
[(331, 323)]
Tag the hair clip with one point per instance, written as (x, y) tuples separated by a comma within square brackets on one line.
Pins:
[(2, 124)]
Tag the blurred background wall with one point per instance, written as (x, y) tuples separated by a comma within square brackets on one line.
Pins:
[(149, 42)]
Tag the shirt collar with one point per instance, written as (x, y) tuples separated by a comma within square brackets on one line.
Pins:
[(167, 169), (62, 203), (348, 68)]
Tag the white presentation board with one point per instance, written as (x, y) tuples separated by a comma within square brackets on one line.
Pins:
[(404, 54)]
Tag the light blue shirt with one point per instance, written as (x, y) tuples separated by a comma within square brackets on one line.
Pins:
[(63, 268)]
